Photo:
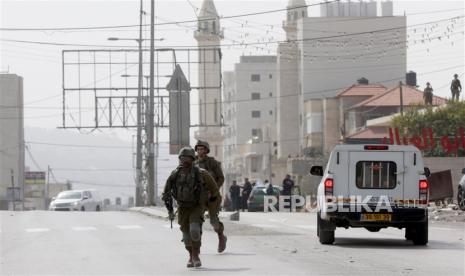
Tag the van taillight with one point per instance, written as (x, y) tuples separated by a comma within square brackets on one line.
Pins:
[(423, 187), (376, 147), (329, 187)]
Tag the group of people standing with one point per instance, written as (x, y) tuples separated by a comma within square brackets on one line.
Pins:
[(239, 200), (455, 89)]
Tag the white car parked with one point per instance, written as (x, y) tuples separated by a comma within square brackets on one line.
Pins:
[(76, 200), (373, 186)]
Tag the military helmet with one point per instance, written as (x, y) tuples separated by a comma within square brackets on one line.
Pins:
[(202, 144), (187, 151)]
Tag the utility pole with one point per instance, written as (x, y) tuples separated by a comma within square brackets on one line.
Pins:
[(47, 183), (150, 122), (13, 186), (139, 117), (401, 100)]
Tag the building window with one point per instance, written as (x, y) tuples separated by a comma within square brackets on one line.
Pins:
[(255, 96), (255, 77), (271, 94), (271, 112), (254, 164), (270, 76), (314, 123), (255, 113), (257, 133)]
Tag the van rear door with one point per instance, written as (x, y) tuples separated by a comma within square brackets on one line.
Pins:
[(376, 173)]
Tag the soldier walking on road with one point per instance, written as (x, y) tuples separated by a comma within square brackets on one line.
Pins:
[(428, 94), (214, 204), (189, 186), (455, 88)]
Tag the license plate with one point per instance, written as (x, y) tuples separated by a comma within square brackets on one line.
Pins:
[(376, 217)]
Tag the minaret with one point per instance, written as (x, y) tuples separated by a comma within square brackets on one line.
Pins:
[(288, 106), (208, 36)]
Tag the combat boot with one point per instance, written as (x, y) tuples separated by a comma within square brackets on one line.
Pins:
[(190, 263), (195, 257), (221, 242)]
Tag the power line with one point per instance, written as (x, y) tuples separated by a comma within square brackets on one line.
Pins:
[(165, 23), (78, 145), (243, 44)]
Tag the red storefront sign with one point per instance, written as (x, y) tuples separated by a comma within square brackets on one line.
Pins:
[(426, 141)]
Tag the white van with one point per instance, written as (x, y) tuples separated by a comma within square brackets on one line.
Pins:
[(373, 186)]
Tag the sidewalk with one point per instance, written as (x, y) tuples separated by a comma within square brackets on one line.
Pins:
[(153, 211), (161, 212)]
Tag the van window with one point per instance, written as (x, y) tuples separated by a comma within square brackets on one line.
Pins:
[(376, 175)]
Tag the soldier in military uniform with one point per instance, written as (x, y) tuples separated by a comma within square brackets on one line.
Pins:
[(214, 168), (189, 185), (428, 94), (455, 87)]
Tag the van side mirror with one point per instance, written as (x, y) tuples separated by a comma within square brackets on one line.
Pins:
[(427, 172), (463, 171), (53, 198), (84, 198), (316, 170)]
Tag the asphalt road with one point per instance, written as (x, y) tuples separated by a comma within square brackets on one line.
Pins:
[(130, 243)]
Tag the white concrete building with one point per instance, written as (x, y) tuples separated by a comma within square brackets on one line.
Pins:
[(250, 118), (209, 35), (336, 50), (11, 135)]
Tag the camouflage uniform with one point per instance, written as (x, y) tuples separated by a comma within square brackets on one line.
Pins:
[(214, 204), (191, 211)]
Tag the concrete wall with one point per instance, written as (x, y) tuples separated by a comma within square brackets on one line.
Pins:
[(455, 164), (331, 133), (11, 133)]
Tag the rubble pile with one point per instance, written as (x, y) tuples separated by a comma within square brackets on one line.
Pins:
[(450, 213)]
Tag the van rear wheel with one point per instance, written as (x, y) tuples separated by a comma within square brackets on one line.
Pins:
[(420, 234), (408, 233), (325, 231)]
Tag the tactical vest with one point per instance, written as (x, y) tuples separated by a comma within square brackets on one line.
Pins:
[(188, 191)]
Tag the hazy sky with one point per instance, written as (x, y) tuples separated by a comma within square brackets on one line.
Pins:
[(40, 65)]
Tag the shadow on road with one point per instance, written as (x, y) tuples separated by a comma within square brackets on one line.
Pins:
[(238, 269), (394, 244), (231, 254)]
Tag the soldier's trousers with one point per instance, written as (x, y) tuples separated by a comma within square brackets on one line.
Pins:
[(190, 221), (213, 212), (455, 95)]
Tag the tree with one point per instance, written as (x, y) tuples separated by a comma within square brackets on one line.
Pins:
[(445, 121)]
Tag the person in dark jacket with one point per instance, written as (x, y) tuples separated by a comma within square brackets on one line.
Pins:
[(235, 192), (246, 190), (288, 185)]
